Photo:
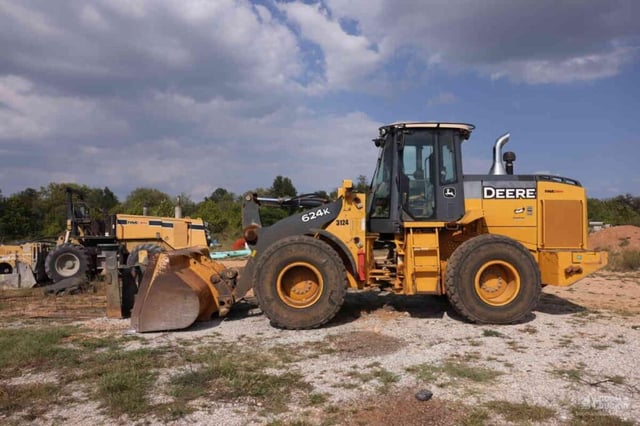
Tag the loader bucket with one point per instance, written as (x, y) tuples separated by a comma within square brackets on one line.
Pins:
[(178, 289)]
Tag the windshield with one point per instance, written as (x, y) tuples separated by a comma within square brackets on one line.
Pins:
[(381, 184)]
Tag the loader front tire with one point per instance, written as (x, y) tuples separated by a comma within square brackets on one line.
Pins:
[(67, 261), (492, 279), (300, 283)]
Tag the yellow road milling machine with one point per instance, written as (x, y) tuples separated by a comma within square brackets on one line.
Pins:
[(487, 242), (79, 249)]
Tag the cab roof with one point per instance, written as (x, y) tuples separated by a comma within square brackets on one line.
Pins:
[(430, 124), (465, 128)]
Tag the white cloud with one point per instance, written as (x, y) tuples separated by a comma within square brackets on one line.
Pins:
[(533, 42), (348, 58), (580, 68), (26, 114), (190, 95)]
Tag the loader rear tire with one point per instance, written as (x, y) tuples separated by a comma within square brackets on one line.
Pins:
[(493, 279), (300, 283), (67, 261)]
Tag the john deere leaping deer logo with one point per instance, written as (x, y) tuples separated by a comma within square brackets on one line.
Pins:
[(449, 192)]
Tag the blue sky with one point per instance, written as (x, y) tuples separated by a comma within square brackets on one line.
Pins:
[(190, 95)]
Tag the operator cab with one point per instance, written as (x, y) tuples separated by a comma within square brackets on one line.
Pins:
[(418, 177)]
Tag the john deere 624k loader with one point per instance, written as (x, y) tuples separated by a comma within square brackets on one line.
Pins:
[(487, 242)]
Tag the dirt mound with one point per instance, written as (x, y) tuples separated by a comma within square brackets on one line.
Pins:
[(617, 238)]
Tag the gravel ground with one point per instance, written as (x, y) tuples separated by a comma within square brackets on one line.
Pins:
[(578, 349)]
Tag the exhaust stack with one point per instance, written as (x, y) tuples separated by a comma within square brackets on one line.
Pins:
[(498, 167)]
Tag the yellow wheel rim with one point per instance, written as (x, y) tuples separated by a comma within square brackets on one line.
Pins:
[(300, 285), (497, 283)]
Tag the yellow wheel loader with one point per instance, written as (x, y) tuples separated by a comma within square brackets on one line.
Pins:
[(487, 242)]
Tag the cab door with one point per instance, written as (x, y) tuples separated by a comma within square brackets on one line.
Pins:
[(449, 195)]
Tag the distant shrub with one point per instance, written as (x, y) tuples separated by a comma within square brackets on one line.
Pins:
[(628, 260)]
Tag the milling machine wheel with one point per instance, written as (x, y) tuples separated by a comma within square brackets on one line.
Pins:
[(492, 279), (139, 256), (67, 261), (300, 282)]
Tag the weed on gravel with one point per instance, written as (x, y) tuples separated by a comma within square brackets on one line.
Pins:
[(583, 416), (226, 372), (26, 348), (520, 413), (453, 369), (375, 372), (30, 400)]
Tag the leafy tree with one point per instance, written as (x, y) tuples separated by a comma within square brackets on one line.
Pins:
[(362, 184), (21, 216), (102, 200), (271, 215), (282, 187), (221, 194), (157, 202), (620, 210), (224, 217)]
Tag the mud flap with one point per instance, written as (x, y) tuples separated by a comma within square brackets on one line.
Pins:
[(177, 289)]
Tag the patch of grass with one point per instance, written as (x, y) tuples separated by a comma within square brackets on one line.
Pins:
[(190, 384), (454, 369), (473, 373), (565, 341), (97, 343), (477, 417), (384, 377), (620, 340), (317, 398), (521, 412), (229, 372), (575, 375), (593, 417), (123, 379), (424, 372), (33, 399), (491, 333), (331, 409), (529, 329), (28, 347), (516, 346)]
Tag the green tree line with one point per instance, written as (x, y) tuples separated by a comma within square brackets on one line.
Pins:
[(36, 214), (620, 210), (41, 214)]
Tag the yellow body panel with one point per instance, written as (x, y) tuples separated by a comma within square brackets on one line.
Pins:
[(563, 214), (349, 227), (553, 227), (169, 232), (563, 268)]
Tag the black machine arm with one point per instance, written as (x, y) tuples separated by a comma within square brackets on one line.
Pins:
[(251, 209)]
